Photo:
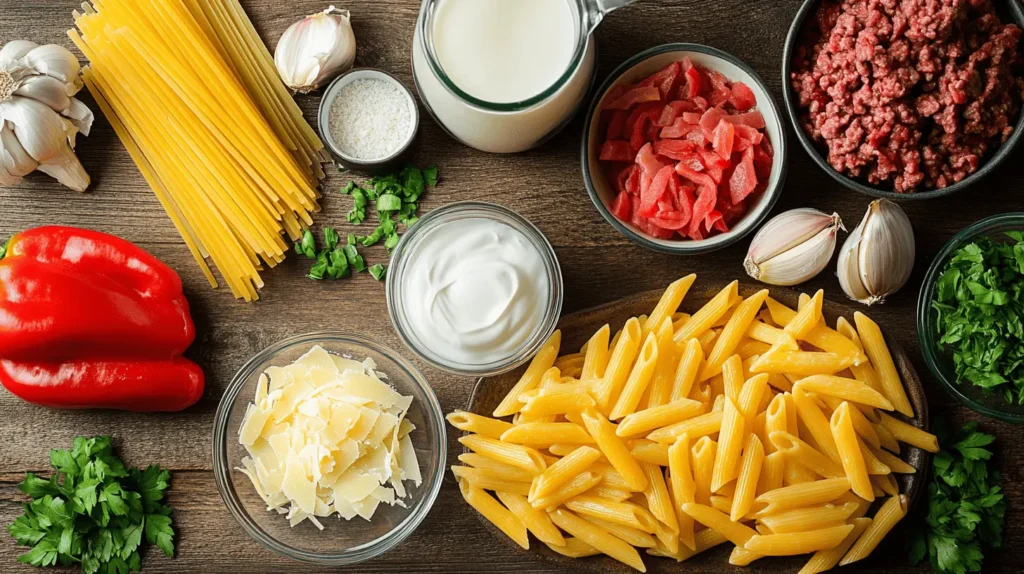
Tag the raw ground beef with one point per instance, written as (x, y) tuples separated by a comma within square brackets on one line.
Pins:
[(908, 93)]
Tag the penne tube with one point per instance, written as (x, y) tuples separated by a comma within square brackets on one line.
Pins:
[(796, 543), (666, 537), (746, 484), (703, 540), (772, 472), (730, 442), (732, 377), (862, 425), (825, 560), (721, 503), (860, 505), (797, 473), (749, 400), (808, 317), (749, 348), (609, 493), (658, 500), (515, 455), (909, 434), (773, 336), (702, 457), (669, 303), (545, 434), (575, 548), (542, 361), (595, 358), (686, 370), (758, 430), (536, 521), (779, 381), (681, 487), (613, 447), (895, 463), (634, 537), (711, 312), (885, 483), (707, 340), (619, 363), (598, 538), (703, 425), (576, 400), (891, 512), (800, 363), (563, 471), (874, 466), (809, 518), (846, 329), (775, 420), (886, 438), (742, 557), (494, 468), (622, 513), (648, 451), (821, 336), (816, 422), (485, 481), (804, 494), (792, 416), (731, 334), (639, 379), (846, 389), (800, 452), (560, 450), (735, 532), (478, 424), (579, 484), (660, 389), (570, 365), (657, 417), (877, 351), (866, 374), (494, 512)]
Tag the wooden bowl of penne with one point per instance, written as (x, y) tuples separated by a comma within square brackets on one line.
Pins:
[(713, 423)]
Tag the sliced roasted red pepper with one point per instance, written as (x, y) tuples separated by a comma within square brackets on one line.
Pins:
[(90, 320)]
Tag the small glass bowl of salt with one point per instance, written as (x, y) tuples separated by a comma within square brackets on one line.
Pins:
[(368, 120)]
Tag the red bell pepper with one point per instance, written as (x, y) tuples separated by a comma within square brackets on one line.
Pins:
[(90, 320)]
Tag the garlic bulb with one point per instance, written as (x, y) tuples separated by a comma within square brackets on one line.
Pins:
[(793, 247), (878, 256), (315, 50), (39, 118)]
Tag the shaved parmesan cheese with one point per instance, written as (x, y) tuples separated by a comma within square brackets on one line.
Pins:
[(325, 435)]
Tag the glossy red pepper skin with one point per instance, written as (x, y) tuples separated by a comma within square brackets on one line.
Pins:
[(142, 386), (67, 293)]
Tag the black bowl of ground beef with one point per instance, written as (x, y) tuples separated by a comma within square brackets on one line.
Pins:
[(906, 99)]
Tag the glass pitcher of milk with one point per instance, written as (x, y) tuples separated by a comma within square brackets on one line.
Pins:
[(503, 76)]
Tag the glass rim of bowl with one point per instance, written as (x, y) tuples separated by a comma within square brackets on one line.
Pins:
[(926, 337), (494, 212), (433, 414)]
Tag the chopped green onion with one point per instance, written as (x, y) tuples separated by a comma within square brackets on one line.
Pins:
[(378, 272), (330, 237), (391, 241), (307, 245)]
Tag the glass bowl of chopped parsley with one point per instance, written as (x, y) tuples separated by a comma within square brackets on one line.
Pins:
[(970, 317)]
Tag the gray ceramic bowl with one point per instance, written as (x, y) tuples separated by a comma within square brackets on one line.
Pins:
[(346, 160), (1008, 11), (602, 192)]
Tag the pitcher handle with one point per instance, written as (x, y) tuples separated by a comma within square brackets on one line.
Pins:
[(597, 9)]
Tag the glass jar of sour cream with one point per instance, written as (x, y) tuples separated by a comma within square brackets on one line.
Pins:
[(504, 75), (474, 289)]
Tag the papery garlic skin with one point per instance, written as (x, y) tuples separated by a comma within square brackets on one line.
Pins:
[(315, 50), (878, 257), (793, 247), (39, 117)]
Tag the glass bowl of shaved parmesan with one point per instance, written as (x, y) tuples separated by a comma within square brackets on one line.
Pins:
[(329, 448)]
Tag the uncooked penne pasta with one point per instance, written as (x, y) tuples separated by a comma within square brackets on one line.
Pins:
[(702, 462), (732, 377), (806, 318), (495, 468), (486, 481), (746, 484), (825, 560), (798, 542), (703, 425), (809, 518), (796, 473), (731, 334), (648, 451), (895, 463), (545, 434), (563, 471), (515, 455), (875, 466), (686, 371), (494, 512), (598, 538), (865, 431), (740, 556), (761, 331), (713, 310), (703, 540), (749, 400), (885, 483), (633, 536), (669, 302), (801, 363), (657, 417), (799, 452), (639, 379), (681, 487), (559, 403), (542, 361), (821, 336), (622, 513), (817, 424), (735, 532), (891, 512), (666, 537), (730, 442), (570, 365), (877, 351), (575, 548), (772, 472), (660, 390), (804, 494), (845, 389), (775, 420), (595, 359), (609, 493), (619, 364), (481, 425), (581, 483), (536, 521), (615, 450), (658, 500), (750, 348), (909, 434)]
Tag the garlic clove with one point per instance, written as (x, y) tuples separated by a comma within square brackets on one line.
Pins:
[(793, 247), (45, 89), (67, 169), (8, 179), (14, 51), (16, 160), (878, 257), (848, 270), (41, 131), (55, 61), (80, 115), (315, 50)]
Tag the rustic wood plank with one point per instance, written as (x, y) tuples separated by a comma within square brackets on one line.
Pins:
[(545, 185)]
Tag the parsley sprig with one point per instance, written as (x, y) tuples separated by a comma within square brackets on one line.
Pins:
[(979, 299), (966, 506), (93, 511)]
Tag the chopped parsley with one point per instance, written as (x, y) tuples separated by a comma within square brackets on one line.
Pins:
[(966, 507), (93, 511), (378, 271), (979, 299)]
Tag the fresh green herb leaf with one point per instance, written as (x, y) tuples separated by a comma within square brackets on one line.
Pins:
[(430, 174), (389, 202), (392, 241), (358, 265), (347, 190), (378, 271), (351, 239), (307, 245), (330, 237)]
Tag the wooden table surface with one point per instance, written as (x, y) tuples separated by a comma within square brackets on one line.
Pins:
[(545, 185)]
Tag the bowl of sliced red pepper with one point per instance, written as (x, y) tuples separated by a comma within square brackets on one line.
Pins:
[(684, 150)]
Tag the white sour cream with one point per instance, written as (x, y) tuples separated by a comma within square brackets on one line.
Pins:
[(475, 291)]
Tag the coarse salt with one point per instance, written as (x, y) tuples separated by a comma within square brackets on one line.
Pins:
[(370, 119)]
